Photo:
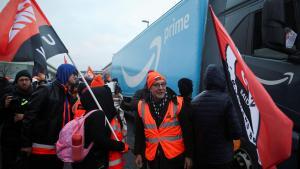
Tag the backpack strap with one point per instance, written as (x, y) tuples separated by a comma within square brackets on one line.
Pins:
[(89, 113), (83, 140), (84, 117)]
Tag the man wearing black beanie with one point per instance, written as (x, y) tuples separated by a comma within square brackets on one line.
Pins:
[(14, 103), (21, 73)]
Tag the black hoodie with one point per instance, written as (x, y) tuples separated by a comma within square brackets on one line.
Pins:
[(215, 122), (96, 131)]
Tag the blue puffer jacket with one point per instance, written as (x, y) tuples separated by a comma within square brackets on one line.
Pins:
[(214, 120)]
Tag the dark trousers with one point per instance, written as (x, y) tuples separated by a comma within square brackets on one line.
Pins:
[(161, 162), (9, 156), (144, 163), (13, 158), (217, 166), (45, 162)]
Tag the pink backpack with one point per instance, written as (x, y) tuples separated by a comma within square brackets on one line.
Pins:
[(64, 148)]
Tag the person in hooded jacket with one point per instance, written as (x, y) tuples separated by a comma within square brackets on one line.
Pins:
[(185, 87), (215, 123), (77, 108), (14, 103), (97, 131), (48, 111)]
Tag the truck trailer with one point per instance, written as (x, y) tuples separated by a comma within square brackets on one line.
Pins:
[(182, 42)]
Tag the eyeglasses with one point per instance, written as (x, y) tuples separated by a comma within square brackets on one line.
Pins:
[(157, 85)]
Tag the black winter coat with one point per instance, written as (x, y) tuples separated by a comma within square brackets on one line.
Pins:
[(215, 122), (44, 118), (11, 132)]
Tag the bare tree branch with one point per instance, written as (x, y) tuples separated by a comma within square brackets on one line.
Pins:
[(4, 68)]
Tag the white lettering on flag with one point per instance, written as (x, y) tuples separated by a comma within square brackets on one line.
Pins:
[(41, 51), (24, 17), (49, 40), (231, 60)]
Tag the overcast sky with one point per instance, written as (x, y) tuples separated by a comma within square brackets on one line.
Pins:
[(93, 30)]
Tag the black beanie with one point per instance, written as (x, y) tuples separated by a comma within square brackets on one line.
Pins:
[(185, 86), (22, 73)]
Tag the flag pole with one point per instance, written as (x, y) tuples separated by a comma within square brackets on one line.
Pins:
[(93, 95)]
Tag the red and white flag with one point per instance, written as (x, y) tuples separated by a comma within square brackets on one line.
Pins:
[(267, 128), (27, 35)]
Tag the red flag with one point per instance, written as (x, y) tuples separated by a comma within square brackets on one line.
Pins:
[(90, 73), (267, 128), (65, 60), (27, 35)]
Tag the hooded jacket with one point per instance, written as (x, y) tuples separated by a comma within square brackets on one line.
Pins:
[(97, 131), (46, 116), (214, 120)]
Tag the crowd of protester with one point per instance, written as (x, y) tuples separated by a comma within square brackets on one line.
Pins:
[(172, 131)]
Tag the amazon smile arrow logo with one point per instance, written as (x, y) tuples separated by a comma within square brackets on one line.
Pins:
[(135, 80), (289, 78)]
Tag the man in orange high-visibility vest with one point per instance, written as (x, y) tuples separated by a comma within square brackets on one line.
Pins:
[(163, 131)]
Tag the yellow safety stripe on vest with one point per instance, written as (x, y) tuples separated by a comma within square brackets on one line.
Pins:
[(169, 124), (150, 126), (156, 140), (36, 145), (143, 110), (163, 125), (115, 162), (174, 109)]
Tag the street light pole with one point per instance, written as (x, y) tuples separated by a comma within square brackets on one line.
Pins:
[(146, 21)]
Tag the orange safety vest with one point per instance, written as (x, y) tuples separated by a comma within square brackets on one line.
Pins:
[(43, 149), (77, 109), (115, 157), (168, 134)]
